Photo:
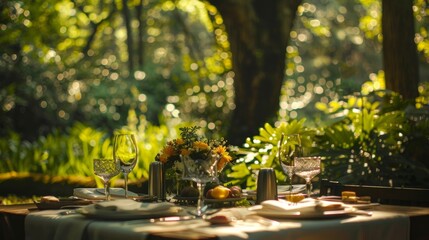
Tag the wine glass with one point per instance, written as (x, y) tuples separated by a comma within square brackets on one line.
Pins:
[(307, 168), (106, 168), (286, 163), (201, 171), (289, 171), (287, 150), (125, 151)]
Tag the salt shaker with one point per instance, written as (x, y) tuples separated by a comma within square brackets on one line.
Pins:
[(266, 186), (156, 180)]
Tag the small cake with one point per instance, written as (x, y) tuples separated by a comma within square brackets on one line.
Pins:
[(295, 197), (348, 197)]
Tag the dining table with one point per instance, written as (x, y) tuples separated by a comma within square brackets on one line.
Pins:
[(26, 221)]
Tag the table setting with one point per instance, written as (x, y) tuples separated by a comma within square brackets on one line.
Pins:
[(135, 221), (271, 210)]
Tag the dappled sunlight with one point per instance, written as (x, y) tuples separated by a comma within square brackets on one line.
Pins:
[(75, 61)]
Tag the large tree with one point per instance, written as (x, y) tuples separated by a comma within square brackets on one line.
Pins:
[(400, 59), (258, 32)]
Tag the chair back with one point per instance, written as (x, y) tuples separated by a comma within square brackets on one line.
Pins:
[(385, 195)]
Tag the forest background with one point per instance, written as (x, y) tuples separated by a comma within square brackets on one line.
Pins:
[(73, 71)]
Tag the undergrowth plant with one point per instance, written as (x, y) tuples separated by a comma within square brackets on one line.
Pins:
[(262, 150), (367, 140), (70, 153), (376, 139)]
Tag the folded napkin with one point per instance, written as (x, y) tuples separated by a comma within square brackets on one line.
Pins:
[(98, 193), (307, 205), (284, 206), (131, 205)]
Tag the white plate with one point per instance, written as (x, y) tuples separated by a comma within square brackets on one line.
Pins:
[(297, 215), (209, 200), (62, 204), (360, 206), (281, 189), (102, 214)]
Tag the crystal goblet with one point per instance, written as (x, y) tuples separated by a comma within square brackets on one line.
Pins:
[(307, 168), (106, 169), (201, 171)]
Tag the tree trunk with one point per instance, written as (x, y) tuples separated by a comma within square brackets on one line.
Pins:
[(401, 65), (258, 32), (130, 45), (141, 29)]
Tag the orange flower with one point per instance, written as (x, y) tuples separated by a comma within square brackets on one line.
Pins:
[(168, 150), (223, 161), (225, 157), (163, 158), (201, 145), (185, 152)]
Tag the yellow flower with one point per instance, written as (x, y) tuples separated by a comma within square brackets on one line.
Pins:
[(179, 141), (220, 150), (198, 145)]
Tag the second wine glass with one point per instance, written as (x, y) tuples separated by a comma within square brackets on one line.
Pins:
[(288, 149), (126, 152), (307, 168), (106, 169)]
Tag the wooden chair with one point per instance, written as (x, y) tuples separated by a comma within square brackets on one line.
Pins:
[(380, 194)]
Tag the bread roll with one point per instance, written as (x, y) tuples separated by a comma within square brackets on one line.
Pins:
[(46, 199)]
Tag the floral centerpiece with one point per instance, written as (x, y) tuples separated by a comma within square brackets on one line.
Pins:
[(195, 146)]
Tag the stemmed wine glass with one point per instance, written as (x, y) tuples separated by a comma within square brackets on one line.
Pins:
[(288, 169), (126, 152), (287, 150), (200, 171), (307, 168), (106, 168)]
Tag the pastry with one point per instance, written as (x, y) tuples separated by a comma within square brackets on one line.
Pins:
[(348, 197), (46, 199)]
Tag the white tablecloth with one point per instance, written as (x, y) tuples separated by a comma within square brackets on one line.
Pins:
[(382, 225), (49, 224)]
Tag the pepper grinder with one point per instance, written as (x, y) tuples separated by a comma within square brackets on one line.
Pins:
[(156, 180), (266, 186)]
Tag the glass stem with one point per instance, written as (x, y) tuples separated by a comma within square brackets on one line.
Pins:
[(107, 190), (126, 184), (200, 187), (177, 185), (308, 186)]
